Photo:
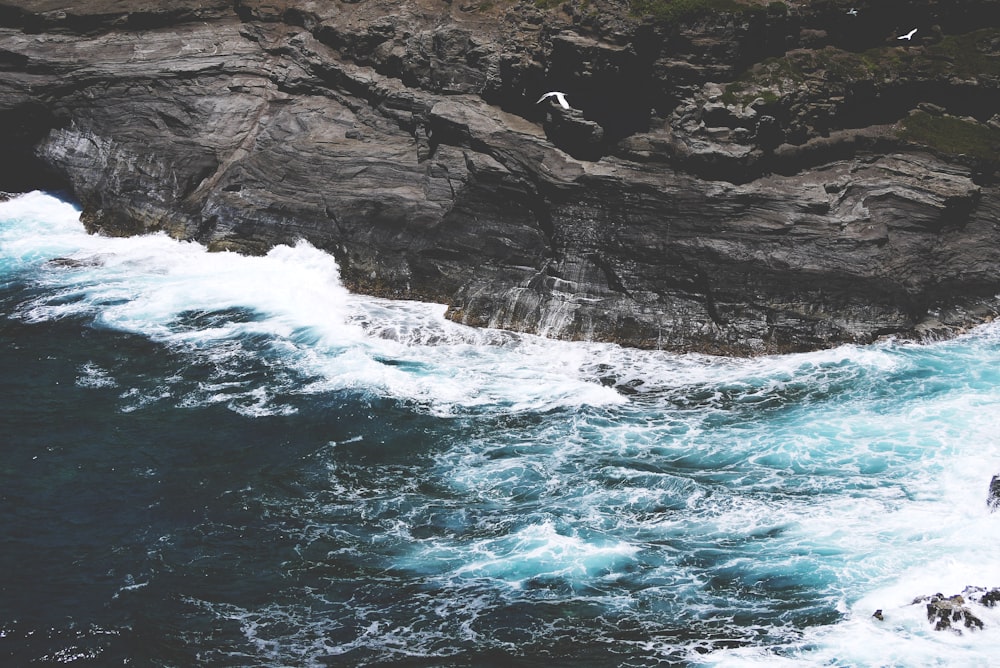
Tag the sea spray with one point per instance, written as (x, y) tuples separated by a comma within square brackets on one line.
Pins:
[(222, 459)]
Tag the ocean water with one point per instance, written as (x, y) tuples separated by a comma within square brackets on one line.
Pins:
[(218, 460)]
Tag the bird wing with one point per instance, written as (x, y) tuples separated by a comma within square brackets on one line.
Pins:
[(544, 96), (562, 100)]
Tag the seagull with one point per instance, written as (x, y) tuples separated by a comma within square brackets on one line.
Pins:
[(559, 96), (853, 12), (908, 35)]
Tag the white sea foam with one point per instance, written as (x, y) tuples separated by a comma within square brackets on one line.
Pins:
[(292, 296), (92, 375), (37, 227), (541, 551), (679, 482)]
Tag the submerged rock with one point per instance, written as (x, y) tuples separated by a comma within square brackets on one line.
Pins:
[(741, 182)]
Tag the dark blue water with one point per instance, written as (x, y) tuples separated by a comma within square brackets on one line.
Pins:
[(218, 460)]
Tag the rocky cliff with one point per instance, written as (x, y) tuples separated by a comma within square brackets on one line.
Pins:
[(730, 177)]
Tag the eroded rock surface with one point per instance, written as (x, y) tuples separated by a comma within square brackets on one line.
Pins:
[(758, 180)]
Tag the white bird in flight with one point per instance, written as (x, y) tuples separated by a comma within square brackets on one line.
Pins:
[(908, 35), (559, 96), (853, 12)]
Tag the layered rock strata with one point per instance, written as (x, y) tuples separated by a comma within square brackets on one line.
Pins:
[(747, 180)]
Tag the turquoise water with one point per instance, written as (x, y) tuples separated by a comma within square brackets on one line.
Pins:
[(221, 460)]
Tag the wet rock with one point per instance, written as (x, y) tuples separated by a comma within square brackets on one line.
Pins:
[(990, 598), (950, 612), (953, 613), (993, 497)]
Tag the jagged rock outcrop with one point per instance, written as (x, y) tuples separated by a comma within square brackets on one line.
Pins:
[(953, 613), (755, 180), (948, 613)]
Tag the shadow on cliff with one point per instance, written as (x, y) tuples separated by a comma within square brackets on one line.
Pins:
[(21, 170)]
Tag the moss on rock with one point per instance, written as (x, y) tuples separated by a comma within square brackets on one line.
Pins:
[(949, 134), (672, 11)]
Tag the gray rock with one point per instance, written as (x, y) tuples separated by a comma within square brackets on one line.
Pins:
[(953, 613), (657, 213)]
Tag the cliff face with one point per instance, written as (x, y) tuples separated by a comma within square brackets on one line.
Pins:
[(742, 180)]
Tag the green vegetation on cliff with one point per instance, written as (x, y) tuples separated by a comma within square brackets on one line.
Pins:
[(818, 89), (969, 55), (951, 135), (676, 10)]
